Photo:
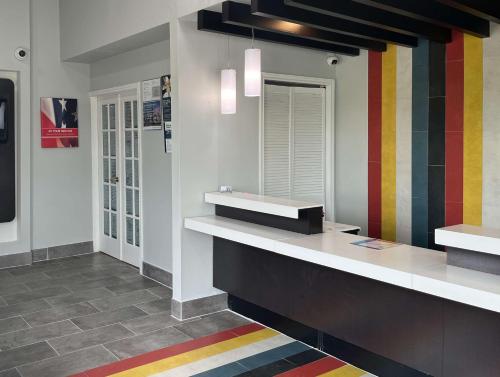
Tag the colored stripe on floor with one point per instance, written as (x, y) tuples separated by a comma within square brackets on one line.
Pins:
[(163, 353), (244, 351), (197, 354), (228, 356), (314, 369)]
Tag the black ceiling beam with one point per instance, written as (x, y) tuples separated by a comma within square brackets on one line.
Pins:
[(276, 9), (434, 13), (212, 22), (364, 14), (239, 14), (488, 9)]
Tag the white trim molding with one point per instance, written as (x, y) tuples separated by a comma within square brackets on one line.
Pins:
[(329, 85)]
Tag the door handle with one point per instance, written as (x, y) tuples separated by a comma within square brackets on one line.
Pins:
[(114, 179)]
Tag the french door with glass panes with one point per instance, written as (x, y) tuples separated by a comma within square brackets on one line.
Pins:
[(120, 178)]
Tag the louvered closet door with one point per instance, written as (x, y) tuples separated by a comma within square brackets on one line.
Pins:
[(294, 143), (276, 148), (308, 158)]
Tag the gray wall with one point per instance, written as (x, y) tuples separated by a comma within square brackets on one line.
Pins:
[(133, 66), (61, 178)]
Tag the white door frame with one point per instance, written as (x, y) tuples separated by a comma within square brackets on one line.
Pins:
[(329, 85), (96, 163)]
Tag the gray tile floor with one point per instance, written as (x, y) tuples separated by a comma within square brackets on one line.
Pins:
[(68, 315)]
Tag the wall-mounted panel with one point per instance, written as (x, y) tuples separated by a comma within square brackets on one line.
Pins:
[(7, 152)]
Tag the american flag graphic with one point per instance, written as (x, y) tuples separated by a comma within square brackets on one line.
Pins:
[(59, 119)]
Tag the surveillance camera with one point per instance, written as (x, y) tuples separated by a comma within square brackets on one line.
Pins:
[(333, 60), (21, 53)]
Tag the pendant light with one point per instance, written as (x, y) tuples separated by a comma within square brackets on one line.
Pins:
[(253, 74), (228, 88)]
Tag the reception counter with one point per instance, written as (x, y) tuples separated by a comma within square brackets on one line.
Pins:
[(402, 311)]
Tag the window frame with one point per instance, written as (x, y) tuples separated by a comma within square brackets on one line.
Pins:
[(329, 85)]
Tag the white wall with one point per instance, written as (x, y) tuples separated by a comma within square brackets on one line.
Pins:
[(15, 32), (239, 134), (351, 142), (61, 178), (134, 66), (111, 20), (211, 149)]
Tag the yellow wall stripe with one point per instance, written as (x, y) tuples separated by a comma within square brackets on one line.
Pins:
[(473, 130), (345, 371), (389, 73), (198, 354)]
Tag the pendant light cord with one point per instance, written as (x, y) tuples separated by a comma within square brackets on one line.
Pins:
[(228, 51), (253, 36)]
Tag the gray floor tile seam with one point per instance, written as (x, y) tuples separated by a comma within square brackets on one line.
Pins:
[(41, 298), (98, 311), (40, 340), (55, 305), (111, 352), (57, 356), (149, 290), (46, 358), (147, 332), (108, 344), (50, 345), (82, 332), (10, 332)]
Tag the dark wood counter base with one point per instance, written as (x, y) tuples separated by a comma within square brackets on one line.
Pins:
[(310, 220), (377, 326), (357, 356)]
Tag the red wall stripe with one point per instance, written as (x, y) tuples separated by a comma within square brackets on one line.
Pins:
[(374, 144), (454, 129)]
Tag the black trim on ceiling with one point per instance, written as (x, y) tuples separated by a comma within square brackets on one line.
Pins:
[(240, 15), (212, 22), (277, 10), (361, 13), (435, 13), (489, 9)]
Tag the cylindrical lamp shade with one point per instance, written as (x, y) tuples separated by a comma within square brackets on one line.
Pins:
[(252, 72), (228, 91)]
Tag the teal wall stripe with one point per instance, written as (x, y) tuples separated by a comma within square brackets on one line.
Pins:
[(437, 124), (420, 143)]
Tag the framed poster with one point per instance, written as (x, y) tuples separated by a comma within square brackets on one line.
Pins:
[(59, 122), (167, 135), (166, 98), (151, 102)]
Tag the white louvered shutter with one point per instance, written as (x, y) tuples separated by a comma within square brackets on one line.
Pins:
[(294, 143), (308, 157), (276, 148)]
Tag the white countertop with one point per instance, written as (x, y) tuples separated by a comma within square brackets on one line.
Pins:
[(406, 266), (470, 237), (259, 203)]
